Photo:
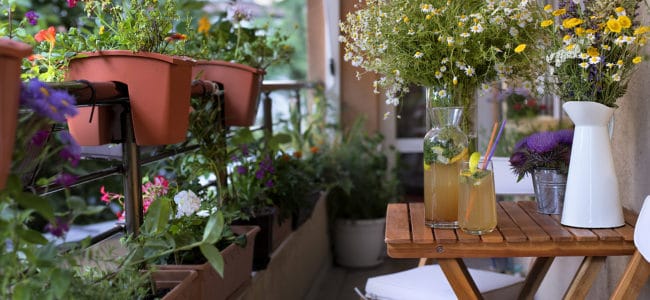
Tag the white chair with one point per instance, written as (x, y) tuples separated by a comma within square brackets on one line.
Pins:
[(638, 269), (429, 282)]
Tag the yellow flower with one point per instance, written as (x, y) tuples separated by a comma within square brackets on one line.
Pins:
[(570, 47), (548, 7), (559, 12), (204, 25), (624, 21), (593, 52), (101, 30), (620, 11), (547, 23), (406, 19), (571, 22), (580, 31), (520, 48), (641, 30), (613, 25), (566, 37), (637, 60)]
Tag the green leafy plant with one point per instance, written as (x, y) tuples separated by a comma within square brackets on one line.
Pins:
[(232, 36), (355, 170)]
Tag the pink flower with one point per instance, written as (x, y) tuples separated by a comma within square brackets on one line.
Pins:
[(72, 3)]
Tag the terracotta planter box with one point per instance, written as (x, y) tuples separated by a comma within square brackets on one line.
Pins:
[(159, 92), (238, 264), (281, 230), (104, 128), (242, 85), (11, 55), (182, 283)]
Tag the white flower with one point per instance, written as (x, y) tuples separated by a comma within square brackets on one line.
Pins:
[(477, 28), (583, 65), (469, 71), (464, 34), (616, 77), (418, 54), (442, 93), (187, 203), (594, 60)]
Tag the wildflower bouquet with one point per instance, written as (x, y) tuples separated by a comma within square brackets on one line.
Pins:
[(594, 47), (549, 149), (450, 46)]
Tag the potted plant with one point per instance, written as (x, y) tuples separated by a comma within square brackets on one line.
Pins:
[(545, 156), (360, 186), (186, 232), (234, 51), (142, 33), (11, 55)]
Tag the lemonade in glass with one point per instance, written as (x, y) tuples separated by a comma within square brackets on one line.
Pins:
[(477, 199)]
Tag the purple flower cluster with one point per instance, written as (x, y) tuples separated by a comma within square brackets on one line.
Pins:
[(45, 101), (32, 17), (71, 151), (549, 149), (59, 228)]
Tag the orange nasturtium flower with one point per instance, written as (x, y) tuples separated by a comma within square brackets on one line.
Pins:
[(176, 37), (48, 35), (204, 25)]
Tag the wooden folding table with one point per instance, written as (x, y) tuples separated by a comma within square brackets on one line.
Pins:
[(521, 232)]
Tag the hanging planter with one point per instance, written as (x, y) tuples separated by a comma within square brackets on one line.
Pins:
[(242, 86), (238, 264), (11, 55), (159, 93)]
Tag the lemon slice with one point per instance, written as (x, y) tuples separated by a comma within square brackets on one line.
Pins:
[(473, 161), (458, 157)]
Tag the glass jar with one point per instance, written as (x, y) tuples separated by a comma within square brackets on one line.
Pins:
[(445, 149)]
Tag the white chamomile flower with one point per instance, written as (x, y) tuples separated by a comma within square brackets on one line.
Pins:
[(584, 56), (594, 60), (443, 68), (476, 28), (616, 77), (418, 54), (464, 35), (469, 71), (584, 65), (442, 93)]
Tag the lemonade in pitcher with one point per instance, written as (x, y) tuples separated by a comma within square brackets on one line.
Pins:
[(445, 148)]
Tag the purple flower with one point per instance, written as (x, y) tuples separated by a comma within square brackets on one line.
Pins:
[(56, 105), (521, 144), (564, 136), (71, 150), (517, 159), (269, 183), (66, 179), (234, 158), (267, 165), (244, 150), (238, 13), (59, 228), (242, 170), (542, 142), (259, 174), (40, 137), (32, 17)]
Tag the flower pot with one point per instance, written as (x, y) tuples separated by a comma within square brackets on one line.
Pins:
[(264, 239), (159, 91), (237, 268), (359, 243), (102, 129), (182, 284), (11, 55), (591, 199), (242, 86), (550, 187)]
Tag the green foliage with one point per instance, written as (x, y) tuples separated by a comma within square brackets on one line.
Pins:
[(356, 171)]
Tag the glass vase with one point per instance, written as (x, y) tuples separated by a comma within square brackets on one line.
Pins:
[(445, 149)]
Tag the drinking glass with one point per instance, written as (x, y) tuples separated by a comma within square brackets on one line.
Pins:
[(477, 200)]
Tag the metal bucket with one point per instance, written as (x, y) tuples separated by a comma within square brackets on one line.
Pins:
[(549, 185)]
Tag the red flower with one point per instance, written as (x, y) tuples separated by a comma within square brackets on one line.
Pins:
[(48, 35), (175, 37)]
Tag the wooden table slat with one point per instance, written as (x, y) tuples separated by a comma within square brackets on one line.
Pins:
[(466, 237), (523, 220), (552, 227), (582, 234), (445, 236), (508, 228), (398, 219), (421, 233), (627, 232), (607, 234), (492, 237)]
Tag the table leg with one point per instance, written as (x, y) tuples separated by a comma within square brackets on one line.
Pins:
[(425, 261), (459, 278), (585, 277), (535, 277), (633, 279)]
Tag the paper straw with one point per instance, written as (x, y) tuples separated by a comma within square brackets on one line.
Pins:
[(489, 146), (494, 146)]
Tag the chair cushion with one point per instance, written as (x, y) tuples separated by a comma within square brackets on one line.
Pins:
[(429, 282), (641, 238)]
